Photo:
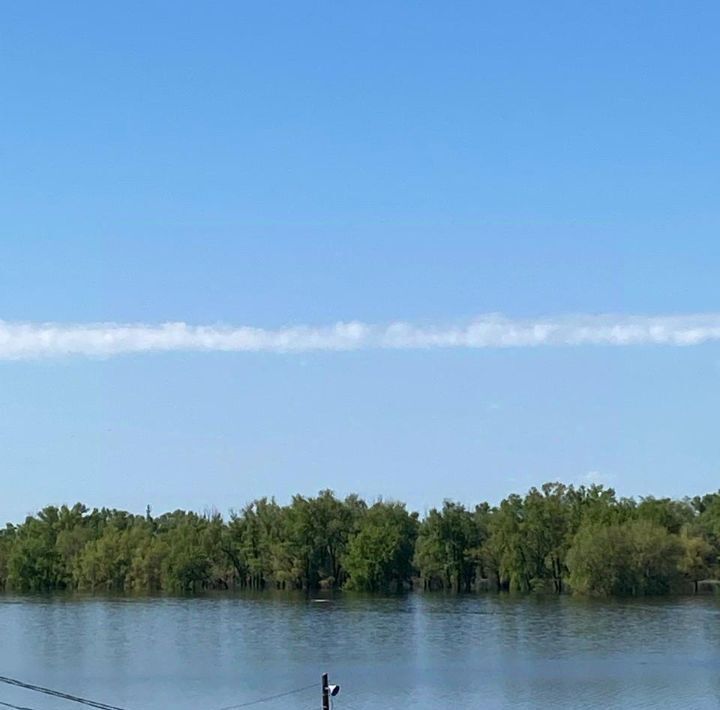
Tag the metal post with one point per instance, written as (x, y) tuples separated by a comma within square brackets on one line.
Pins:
[(325, 692)]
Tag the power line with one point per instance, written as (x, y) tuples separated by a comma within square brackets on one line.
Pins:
[(268, 698), (106, 706), (59, 694), (14, 707)]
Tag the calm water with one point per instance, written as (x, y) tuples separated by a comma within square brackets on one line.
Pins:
[(416, 651)]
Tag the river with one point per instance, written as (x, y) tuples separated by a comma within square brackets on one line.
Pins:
[(419, 651)]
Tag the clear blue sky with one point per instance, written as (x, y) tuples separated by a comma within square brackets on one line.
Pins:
[(276, 164)]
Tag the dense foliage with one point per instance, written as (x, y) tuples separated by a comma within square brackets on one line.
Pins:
[(555, 538)]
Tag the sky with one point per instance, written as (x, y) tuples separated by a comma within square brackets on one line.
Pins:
[(411, 250)]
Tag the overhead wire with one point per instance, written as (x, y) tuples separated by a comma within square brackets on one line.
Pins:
[(59, 694), (268, 698), (14, 707), (106, 706)]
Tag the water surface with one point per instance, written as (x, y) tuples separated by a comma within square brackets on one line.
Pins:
[(420, 651)]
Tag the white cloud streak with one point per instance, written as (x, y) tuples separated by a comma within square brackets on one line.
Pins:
[(22, 341)]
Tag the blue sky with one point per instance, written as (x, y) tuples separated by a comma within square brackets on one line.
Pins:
[(277, 165)]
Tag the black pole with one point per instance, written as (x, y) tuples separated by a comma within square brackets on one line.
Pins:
[(325, 692)]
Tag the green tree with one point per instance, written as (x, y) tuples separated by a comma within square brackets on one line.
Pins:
[(379, 556), (673, 515), (697, 558), (633, 558), (7, 539), (35, 564), (448, 548), (547, 530)]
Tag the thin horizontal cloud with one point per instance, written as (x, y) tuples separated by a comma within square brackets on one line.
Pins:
[(38, 340)]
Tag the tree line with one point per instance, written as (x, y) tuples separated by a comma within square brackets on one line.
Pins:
[(555, 538)]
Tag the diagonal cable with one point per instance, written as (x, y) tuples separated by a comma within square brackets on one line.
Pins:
[(58, 694), (14, 707), (268, 698)]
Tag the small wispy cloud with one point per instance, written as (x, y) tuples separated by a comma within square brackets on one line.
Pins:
[(596, 478), (37, 340)]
